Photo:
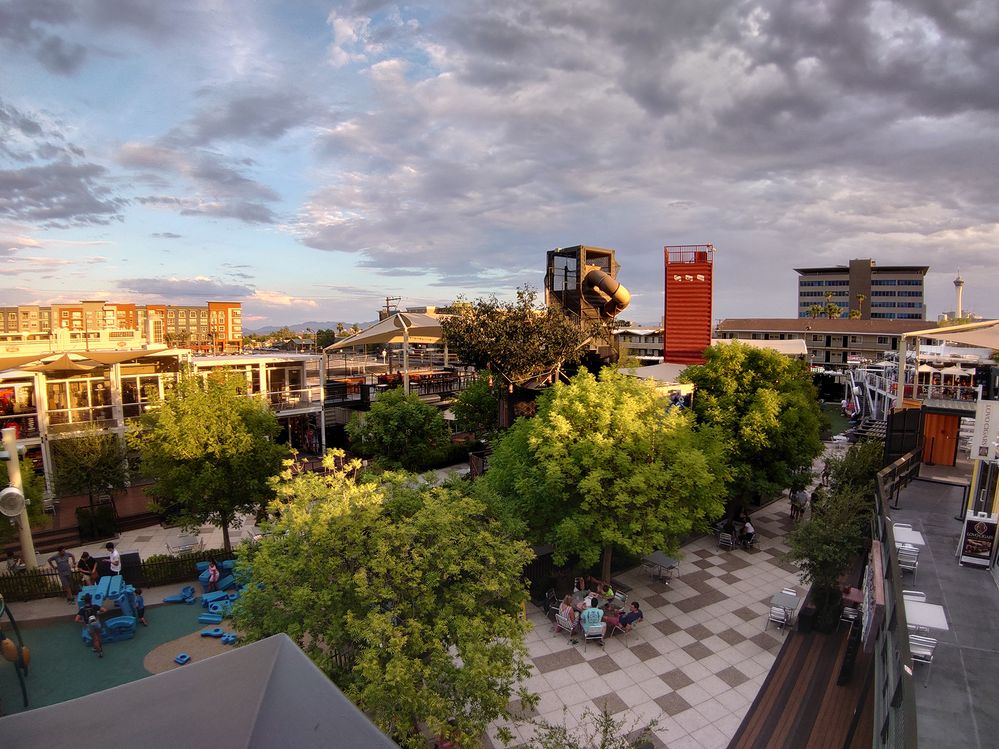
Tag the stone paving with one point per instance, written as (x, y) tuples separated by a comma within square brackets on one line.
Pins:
[(697, 660)]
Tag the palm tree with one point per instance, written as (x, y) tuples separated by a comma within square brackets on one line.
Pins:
[(860, 304), (833, 311), (815, 310)]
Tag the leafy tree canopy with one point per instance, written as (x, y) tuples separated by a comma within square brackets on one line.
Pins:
[(90, 464), (476, 409), (518, 342), (210, 450), (399, 429), (606, 463), (409, 599), (766, 406)]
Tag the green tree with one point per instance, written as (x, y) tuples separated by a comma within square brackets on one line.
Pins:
[(92, 463), (606, 464), (410, 600), (816, 310), (325, 337), (833, 311), (476, 408), (399, 429), (860, 304), (767, 408), (210, 450), (601, 730), (517, 342)]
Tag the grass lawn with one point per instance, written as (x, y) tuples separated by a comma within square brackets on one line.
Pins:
[(63, 668)]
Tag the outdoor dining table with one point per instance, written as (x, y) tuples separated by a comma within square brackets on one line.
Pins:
[(923, 614), (785, 601), (908, 536), (663, 562)]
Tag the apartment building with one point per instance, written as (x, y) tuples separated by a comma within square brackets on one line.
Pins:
[(828, 342), (875, 292), (216, 328), (644, 344)]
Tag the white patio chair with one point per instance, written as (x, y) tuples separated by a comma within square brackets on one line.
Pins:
[(914, 595), (908, 563), (563, 623), (921, 649), (849, 615), (779, 616), (726, 541), (594, 632)]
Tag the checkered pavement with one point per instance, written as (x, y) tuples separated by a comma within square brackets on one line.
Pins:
[(697, 660)]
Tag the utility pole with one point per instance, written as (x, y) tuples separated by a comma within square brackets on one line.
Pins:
[(14, 473), (390, 305)]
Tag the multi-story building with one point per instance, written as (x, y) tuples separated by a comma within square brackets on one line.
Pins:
[(216, 328), (644, 344), (828, 341), (58, 393), (885, 292)]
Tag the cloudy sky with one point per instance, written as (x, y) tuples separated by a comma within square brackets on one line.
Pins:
[(309, 158)]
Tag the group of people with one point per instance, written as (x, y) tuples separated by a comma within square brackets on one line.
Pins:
[(745, 534), (89, 614), (597, 610), (65, 564)]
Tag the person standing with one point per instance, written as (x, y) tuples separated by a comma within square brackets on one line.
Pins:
[(114, 558), (63, 562), (89, 616), (213, 576), (140, 607)]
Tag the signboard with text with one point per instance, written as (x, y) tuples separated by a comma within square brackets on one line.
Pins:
[(983, 440), (977, 540)]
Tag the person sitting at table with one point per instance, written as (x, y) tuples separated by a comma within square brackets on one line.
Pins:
[(602, 588), (746, 537), (627, 621), (567, 609), (579, 585), (612, 614), (592, 618)]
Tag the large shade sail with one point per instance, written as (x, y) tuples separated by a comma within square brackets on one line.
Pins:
[(411, 327), (62, 364)]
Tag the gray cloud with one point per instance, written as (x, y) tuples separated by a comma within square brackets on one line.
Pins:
[(200, 288), (826, 130), (26, 25), (165, 235), (221, 188), (58, 194)]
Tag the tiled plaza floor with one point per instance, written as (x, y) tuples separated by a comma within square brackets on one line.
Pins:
[(694, 664)]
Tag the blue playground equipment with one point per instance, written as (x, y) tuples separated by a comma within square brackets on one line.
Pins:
[(114, 629), (229, 638), (182, 658), (210, 619), (185, 596), (213, 632), (226, 568)]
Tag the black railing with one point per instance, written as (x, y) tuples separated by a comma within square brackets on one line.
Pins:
[(160, 569)]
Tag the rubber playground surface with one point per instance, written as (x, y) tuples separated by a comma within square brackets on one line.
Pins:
[(63, 668)]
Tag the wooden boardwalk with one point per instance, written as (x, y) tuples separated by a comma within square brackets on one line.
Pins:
[(800, 705)]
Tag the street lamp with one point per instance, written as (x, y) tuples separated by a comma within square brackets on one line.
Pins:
[(11, 453)]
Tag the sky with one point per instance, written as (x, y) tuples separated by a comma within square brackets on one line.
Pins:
[(309, 159)]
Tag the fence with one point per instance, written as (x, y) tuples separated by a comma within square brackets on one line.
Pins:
[(31, 585)]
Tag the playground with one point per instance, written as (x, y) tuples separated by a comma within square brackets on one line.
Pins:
[(62, 667)]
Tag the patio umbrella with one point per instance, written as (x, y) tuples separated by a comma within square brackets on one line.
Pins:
[(402, 327), (62, 364)]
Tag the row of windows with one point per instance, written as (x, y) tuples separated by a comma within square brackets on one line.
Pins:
[(844, 282), (823, 293), (897, 282), (897, 305), (896, 316), (898, 293)]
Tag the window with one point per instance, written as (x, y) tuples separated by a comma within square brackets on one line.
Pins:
[(855, 339), (882, 340), (816, 338)]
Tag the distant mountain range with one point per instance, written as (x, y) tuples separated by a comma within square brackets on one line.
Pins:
[(313, 325)]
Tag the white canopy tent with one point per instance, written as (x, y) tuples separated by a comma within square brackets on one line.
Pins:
[(402, 327)]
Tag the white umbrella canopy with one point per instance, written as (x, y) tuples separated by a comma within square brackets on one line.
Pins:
[(927, 368), (954, 371), (402, 327)]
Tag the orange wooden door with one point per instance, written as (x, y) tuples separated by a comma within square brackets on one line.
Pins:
[(940, 432)]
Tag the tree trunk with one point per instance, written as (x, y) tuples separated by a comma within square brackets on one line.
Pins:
[(225, 536), (605, 572)]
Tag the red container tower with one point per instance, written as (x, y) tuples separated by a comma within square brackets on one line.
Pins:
[(687, 320)]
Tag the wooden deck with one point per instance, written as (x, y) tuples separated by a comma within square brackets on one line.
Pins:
[(800, 704)]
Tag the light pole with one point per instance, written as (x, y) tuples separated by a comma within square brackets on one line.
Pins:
[(11, 454)]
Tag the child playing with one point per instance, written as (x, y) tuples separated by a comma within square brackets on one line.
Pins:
[(89, 615), (140, 607)]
